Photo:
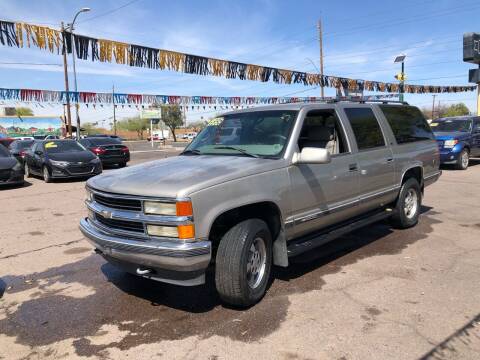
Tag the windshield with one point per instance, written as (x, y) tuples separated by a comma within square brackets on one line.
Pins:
[(22, 144), (55, 147), (4, 152), (451, 125), (257, 133), (104, 141)]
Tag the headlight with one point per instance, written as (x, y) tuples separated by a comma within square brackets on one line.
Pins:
[(59, 163), (450, 143), (89, 196), (17, 167), (179, 232), (158, 208)]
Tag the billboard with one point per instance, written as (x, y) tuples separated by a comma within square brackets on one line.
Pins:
[(15, 126), (471, 48)]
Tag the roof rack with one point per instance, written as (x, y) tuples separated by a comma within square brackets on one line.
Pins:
[(364, 101)]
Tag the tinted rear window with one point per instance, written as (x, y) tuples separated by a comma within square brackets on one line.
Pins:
[(365, 128), (104, 141), (408, 123), (22, 144)]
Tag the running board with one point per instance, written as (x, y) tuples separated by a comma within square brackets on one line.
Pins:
[(303, 244)]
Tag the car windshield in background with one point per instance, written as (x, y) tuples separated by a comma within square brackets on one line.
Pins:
[(4, 152), (256, 133), (451, 125), (54, 147), (104, 141), (22, 144)]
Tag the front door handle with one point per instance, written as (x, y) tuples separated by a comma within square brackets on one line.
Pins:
[(353, 167), (390, 159)]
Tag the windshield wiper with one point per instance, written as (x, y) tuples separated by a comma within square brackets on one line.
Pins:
[(191, 152), (243, 151)]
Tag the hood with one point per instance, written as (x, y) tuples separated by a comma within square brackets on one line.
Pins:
[(180, 175), (7, 162), (84, 156), (450, 135)]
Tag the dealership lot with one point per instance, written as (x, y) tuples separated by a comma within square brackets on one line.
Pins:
[(377, 293)]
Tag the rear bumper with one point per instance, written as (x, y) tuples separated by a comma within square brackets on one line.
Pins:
[(114, 159), (182, 263)]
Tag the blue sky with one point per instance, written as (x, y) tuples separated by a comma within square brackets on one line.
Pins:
[(361, 40)]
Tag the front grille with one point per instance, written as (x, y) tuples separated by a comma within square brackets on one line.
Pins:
[(120, 224), (80, 169), (116, 203), (4, 175)]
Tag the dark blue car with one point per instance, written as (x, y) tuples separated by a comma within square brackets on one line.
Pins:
[(458, 139)]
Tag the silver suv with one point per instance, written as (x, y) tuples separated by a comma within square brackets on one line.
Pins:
[(291, 178)]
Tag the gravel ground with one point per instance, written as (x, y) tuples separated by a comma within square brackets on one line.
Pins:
[(375, 294)]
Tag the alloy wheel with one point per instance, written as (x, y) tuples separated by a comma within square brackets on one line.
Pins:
[(256, 263)]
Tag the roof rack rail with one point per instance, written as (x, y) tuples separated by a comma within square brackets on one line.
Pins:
[(363, 101)]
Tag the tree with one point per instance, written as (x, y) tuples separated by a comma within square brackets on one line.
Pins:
[(136, 124), (457, 110), (91, 129), (19, 111), (172, 117)]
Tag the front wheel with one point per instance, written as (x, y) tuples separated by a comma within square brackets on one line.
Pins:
[(46, 175), (27, 171), (463, 160), (243, 263), (407, 208)]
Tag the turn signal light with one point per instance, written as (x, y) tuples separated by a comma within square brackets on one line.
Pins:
[(184, 208), (186, 231)]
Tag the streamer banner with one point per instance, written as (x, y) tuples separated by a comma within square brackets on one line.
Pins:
[(27, 35), (84, 97)]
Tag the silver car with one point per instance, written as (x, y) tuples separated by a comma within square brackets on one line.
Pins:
[(292, 178)]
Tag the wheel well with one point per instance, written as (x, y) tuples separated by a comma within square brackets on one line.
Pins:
[(266, 211), (416, 173)]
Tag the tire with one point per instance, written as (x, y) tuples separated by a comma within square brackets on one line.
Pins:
[(26, 170), (237, 263), (46, 175), (407, 207), (463, 160), (122, 165)]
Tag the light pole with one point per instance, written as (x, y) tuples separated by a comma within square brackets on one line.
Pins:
[(71, 28), (401, 76)]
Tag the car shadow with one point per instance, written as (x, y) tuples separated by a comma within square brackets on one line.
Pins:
[(3, 287), (15, 186)]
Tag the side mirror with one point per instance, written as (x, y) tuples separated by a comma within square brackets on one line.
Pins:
[(39, 152), (311, 155)]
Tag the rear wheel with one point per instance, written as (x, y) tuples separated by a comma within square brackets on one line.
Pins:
[(244, 262), (463, 160), (407, 208), (122, 165), (46, 175)]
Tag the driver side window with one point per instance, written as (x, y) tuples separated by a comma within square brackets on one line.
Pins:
[(322, 129)]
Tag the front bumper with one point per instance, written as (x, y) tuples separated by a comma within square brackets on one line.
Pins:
[(181, 263), (449, 157), (64, 172)]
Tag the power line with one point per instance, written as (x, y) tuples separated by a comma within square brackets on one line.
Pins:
[(26, 63), (108, 12)]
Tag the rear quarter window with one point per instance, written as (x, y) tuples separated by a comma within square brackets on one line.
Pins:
[(407, 123), (366, 128)]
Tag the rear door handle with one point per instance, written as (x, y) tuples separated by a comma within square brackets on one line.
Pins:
[(353, 167), (390, 159)]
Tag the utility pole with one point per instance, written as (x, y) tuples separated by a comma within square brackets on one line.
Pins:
[(114, 117), (65, 72), (320, 40), (433, 107)]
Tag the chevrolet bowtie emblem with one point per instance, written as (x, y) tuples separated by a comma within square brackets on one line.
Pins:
[(106, 214)]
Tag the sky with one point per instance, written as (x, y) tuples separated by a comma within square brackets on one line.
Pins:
[(361, 40)]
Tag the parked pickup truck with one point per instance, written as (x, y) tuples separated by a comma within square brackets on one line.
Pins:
[(293, 177), (458, 139)]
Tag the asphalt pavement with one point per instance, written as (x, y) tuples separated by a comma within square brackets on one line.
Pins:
[(377, 293)]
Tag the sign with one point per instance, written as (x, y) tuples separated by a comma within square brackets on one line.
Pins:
[(151, 114), (16, 126), (474, 76), (471, 48)]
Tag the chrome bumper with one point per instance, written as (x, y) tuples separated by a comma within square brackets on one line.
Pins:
[(165, 259)]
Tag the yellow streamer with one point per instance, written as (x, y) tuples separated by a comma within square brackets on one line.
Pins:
[(217, 67), (171, 60)]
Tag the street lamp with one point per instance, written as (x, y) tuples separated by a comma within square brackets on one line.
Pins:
[(71, 28), (401, 76)]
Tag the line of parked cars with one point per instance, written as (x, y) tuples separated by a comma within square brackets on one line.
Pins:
[(54, 158)]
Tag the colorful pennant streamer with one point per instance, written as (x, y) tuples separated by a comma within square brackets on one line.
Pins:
[(22, 34), (51, 96)]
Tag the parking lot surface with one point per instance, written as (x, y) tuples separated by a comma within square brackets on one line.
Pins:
[(375, 294)]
